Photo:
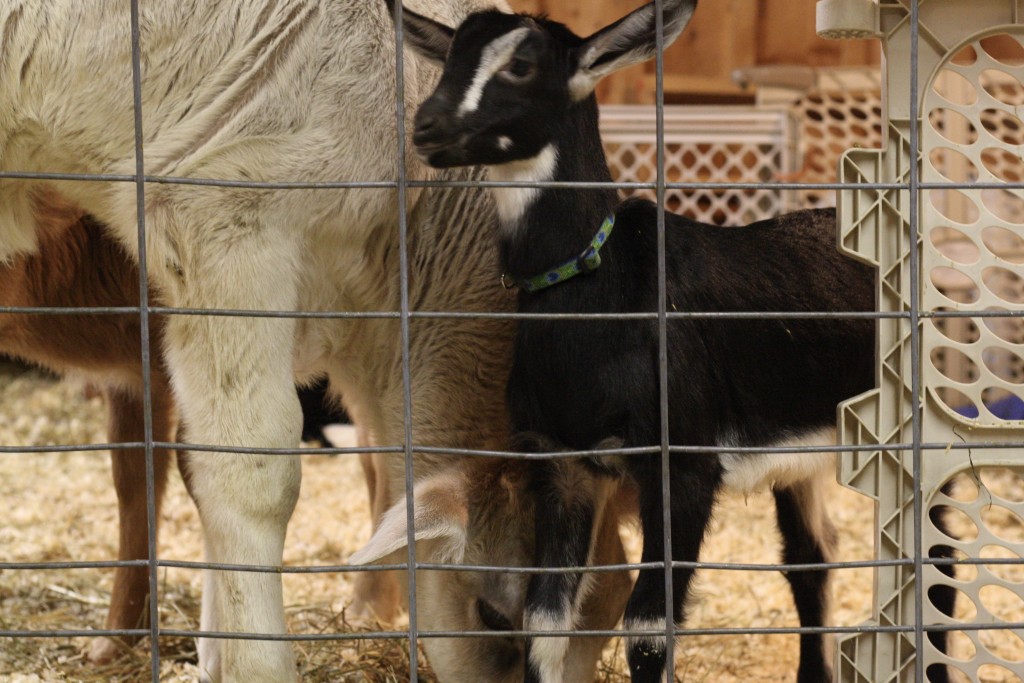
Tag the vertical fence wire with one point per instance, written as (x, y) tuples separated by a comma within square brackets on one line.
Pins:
[(665, 460), (147, 388), (915, 349), (403, 242)]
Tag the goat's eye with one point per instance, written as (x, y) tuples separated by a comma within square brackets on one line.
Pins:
[(518, 70), (492, 618)]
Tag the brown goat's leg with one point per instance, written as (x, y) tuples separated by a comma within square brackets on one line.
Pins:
[(129, 597)]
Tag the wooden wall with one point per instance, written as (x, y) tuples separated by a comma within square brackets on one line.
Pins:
[(724, 35)]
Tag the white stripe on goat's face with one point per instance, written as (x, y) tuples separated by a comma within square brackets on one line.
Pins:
[(504, 85), (496, 56)]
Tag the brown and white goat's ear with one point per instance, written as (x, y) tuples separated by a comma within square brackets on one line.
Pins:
[(428, 37), (441, 514), (630, 40)]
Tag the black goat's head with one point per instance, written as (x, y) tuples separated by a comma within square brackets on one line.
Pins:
[(509, 79)]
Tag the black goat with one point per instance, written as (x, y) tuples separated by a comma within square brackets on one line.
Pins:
[(516, 95)]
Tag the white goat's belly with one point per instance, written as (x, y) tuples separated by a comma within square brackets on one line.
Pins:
[(751, 472)]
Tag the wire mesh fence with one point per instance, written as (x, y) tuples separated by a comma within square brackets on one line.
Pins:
[(911, 320)]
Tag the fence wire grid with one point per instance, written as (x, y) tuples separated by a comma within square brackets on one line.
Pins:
[(409, 449)]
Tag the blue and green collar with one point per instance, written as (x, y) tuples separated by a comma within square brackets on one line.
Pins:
[(587, 262)]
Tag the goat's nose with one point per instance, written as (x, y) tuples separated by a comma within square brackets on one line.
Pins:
[(428, 125)]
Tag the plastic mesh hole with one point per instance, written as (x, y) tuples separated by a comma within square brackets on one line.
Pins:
[(1003, 48), (1004, 243), (1003, 126), (1001, 602), (957, 401), (965, 56), (961, 330), (1010, 329), (993, 673), (960, 646), (1003, 482), (955, 285), (962, 488), (1003, 404), (953, 165), (953, 126), (1003, 523), (1001, 86), (1004, 644), (954, 364), (1013, 572), (954, 88), (954, 205), (1003, 164), (1006, 205), (955, 245), (958, 572), (1004, 283), (958, 524), (966, 610), (1004, 364), (944, 673)]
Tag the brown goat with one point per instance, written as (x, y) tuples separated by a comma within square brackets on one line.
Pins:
[(77, 266)]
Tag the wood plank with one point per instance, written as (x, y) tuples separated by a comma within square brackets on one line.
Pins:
[(724, 35)]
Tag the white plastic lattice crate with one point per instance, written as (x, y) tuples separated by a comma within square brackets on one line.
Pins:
[(836, 109), (971, 247), (736, 144)]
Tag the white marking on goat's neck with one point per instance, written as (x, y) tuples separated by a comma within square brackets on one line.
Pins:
[(493, 57), (513, 202)]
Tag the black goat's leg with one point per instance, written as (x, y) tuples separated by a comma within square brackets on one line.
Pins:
[(695, 483), (808, 538), (570, 499)]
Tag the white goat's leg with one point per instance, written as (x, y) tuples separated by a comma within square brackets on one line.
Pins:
[(233, 380)]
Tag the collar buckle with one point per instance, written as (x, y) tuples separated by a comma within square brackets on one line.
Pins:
[(508, 282), (588, 260)]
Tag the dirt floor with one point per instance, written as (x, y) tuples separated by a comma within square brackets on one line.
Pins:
[(61, 507)]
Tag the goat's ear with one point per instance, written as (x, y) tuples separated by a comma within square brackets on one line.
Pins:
[(441, 514), (428, 37), (630, 40)]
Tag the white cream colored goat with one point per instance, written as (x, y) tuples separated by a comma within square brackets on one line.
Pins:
[(288, 90)]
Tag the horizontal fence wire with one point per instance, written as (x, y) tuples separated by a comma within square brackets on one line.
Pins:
[(409, 449), (490, 569), (559, 455), (524, 633), (472, 184)]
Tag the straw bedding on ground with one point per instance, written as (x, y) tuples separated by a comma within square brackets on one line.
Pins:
[(62, 507)]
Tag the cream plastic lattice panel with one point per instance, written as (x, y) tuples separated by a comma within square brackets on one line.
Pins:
[(967, 241), (836, 109), (972, 250), (735, 144)]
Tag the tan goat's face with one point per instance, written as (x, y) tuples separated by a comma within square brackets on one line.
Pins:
[(484, 517), (488, 522)]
